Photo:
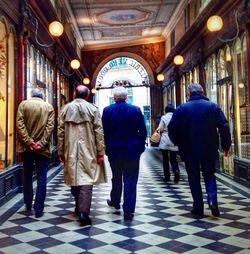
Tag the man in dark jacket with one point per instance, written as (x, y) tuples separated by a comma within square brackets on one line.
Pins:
[(194, 128), (125, 134)]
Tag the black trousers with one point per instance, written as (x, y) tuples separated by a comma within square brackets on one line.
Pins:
[(174, 164)]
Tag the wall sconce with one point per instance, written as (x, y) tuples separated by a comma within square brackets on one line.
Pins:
[(56, 28), (241, 85), (60, 63), (93, 91), (215, 24), (75, 64), (160, 77), (191, 60), (178, 60), (86, 81)]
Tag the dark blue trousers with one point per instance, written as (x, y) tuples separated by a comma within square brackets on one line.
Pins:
[(208, 169), (124, 177), (38, 163)]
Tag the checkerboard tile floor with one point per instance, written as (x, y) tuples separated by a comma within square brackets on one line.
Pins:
[(162, 222)]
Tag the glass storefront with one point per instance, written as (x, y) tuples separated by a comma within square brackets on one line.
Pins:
[(62, 91), (226, 84), (7, 96), (39, 73), (169, 94), (242, 120)]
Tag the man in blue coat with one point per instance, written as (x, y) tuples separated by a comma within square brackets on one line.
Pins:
[(125, 134), (194, 127)]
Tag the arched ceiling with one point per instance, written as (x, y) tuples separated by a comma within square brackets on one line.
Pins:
[(111, 23)]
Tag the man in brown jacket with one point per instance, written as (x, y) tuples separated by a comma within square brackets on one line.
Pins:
[(35, 123), (81, 149)]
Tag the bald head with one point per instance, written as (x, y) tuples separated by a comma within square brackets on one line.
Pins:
[(82, 92)]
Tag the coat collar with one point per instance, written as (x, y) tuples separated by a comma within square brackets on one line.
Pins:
[(198, 97)]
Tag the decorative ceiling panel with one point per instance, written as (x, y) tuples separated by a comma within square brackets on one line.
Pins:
[(105, 23)]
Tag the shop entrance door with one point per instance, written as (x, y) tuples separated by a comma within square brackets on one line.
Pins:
[(225, 101)]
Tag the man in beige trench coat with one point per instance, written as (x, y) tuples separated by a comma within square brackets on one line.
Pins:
[(81, 148)]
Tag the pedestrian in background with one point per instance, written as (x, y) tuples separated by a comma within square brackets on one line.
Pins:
[(125, 135), (34, 125), (194, 127), (168, 149), (81, 149)]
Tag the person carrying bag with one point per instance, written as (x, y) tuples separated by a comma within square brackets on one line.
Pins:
[(167, 147)]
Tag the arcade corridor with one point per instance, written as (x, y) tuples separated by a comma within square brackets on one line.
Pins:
[(162, 223)]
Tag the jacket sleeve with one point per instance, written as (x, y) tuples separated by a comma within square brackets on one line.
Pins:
[(161, 125), (98, 130), (142, 130), (21, 127), (105, 124), (174, 127), (223, 128), (60, 135), (48, 128)]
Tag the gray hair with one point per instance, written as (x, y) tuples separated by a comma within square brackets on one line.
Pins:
[(36, 92), (120, 93), (195, 89)]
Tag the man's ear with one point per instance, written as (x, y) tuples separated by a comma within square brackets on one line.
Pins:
[(87, 95)]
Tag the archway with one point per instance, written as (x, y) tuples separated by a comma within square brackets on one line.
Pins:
[(124, 69)]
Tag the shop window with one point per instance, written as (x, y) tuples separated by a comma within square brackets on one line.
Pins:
[(39, 73), (228, 61), (62, 91), (49, 81), (187, 17), (203, 4), (221, 68), (171, 94), (172, 39), (11, 99), (242, 99), (183, 89), (7, 97), (31, 67), (195, 75), (3, 94), (211, 86)]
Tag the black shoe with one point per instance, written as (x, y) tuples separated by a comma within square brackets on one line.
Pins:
[(28, 208), (215, 210), (77, 211), (84, 219), (117, 207), (176, 177), (128, 216), (166, 179), (39, 214), (197, 215)]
